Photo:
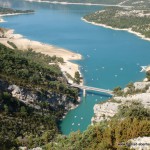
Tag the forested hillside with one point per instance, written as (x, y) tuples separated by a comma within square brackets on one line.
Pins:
[(130, 122), (12, 11), (32, 70), (31, 123), (135, 20)]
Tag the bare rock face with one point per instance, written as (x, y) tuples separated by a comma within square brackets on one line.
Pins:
[(25, 148), (37, 148), (143, 98), (22, 94), (31, 97), (22, 148), (104, 111), (141, 85)]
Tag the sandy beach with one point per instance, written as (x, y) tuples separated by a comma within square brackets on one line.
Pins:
[(109, 27), (25, 44)]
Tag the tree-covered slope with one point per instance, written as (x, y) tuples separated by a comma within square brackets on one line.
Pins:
[(13, 11), (32, 70), (22, 125), (132, 121), (136, 20), (31, 123)]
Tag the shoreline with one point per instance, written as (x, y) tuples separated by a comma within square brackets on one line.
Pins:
[(86, 4), (118, 29), (23, 43), (12, 14), (2, 20)]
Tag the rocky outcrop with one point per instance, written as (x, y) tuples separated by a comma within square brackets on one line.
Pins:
[(25, 148), (22, 94), (141, 85), (143, 98), (31, 97), (106, 110)]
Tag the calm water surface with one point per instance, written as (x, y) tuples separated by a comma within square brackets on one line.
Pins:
[(110, 58)]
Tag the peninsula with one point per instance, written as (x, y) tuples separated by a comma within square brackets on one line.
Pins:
[(135, 21), (68, 68), (9, 11)]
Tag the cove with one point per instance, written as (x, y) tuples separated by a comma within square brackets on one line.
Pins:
[(110, 58)]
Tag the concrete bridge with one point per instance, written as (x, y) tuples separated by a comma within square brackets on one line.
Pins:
[(89, 88)]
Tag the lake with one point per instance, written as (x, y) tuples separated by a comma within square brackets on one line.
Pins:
[(110, 58)]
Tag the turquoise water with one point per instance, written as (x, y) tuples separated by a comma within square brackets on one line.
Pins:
[(110, 58)]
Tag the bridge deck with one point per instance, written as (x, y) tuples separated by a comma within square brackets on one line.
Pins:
[(92, 89)]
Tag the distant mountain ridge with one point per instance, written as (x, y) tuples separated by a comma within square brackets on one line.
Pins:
[(135, 3)]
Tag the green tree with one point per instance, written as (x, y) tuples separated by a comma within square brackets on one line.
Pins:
[(77, 78), (118, 91), (6, 109)]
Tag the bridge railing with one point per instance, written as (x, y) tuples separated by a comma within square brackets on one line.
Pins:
[(92, 88)]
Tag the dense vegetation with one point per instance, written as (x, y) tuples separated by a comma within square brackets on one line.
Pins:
[(130, 89), (109, 135), (32, 70), (22, 124), (123, 19), (148, 75), (11, 11)]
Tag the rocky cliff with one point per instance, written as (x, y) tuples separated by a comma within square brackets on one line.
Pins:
[(140, 93), (32, 98)]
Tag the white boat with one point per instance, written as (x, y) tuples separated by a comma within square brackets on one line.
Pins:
[(143, 68)]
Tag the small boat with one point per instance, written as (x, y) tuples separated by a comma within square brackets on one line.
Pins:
[(143, 68)]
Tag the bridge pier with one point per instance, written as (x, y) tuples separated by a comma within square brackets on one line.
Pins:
[(84, 92)]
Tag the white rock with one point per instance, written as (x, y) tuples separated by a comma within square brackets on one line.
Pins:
[(104, 111)]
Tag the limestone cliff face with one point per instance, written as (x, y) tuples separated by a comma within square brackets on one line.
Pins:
[(106, 110), (31, 97)]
